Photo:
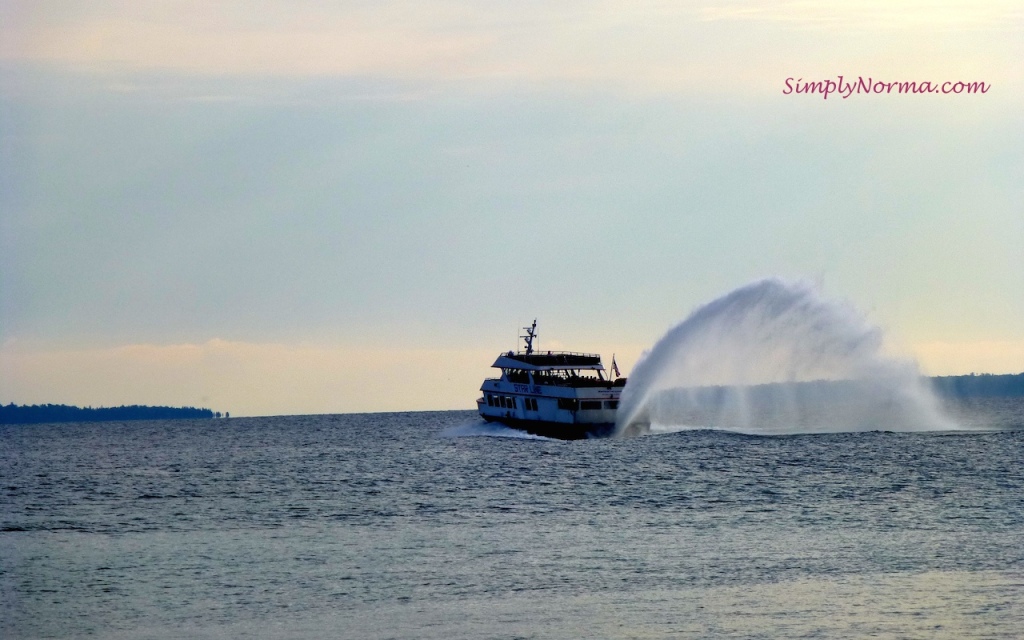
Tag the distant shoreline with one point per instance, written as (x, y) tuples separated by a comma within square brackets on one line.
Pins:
[(979, 385), (34, 414)]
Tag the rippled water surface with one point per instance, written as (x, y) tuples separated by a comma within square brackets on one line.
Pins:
[(413, 526)]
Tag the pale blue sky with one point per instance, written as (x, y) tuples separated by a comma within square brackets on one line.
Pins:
[(210, 204)]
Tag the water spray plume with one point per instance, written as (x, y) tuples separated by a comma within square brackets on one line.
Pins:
[(775, 357)]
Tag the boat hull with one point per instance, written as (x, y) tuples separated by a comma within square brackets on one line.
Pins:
[(557, 430)]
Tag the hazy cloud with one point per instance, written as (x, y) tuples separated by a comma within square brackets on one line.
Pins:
[(645, 46)]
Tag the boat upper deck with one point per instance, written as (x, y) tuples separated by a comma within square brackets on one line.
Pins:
[(548, 361)]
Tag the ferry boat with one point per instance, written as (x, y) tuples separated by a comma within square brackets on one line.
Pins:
[(557, 394)]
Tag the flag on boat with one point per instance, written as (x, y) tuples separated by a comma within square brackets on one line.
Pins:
[(615, 367)]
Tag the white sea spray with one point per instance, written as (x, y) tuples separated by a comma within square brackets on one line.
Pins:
[(776, 357)]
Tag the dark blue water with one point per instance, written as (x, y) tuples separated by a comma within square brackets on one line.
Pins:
[(404, 526)]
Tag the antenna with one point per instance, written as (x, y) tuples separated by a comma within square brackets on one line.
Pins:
[(531, 333)]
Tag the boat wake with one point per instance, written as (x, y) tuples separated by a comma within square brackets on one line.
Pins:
[(488, 429), (775, 357)]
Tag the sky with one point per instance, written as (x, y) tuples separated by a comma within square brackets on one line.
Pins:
[(316, 207)]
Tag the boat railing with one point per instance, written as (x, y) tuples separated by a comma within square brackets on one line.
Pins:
[(554, 357), (555, 381)]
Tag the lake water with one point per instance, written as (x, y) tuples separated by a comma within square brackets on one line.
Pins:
[(414, 525)]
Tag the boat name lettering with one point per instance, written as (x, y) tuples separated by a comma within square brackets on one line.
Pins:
[(526, 388)]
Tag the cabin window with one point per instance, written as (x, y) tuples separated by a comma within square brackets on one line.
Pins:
[(568, 403), (611, 404), (511, 403), (490, 400), (531, 404), (590, 405)]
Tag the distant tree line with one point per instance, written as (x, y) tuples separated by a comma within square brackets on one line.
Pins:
[(981, 385), (15, 414)]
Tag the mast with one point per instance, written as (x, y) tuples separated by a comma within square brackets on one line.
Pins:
[(531, 333)]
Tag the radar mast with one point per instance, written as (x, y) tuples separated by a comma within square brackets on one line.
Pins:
[(531, 333)]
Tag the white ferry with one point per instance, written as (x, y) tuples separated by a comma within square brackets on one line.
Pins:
[(558, 394)]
